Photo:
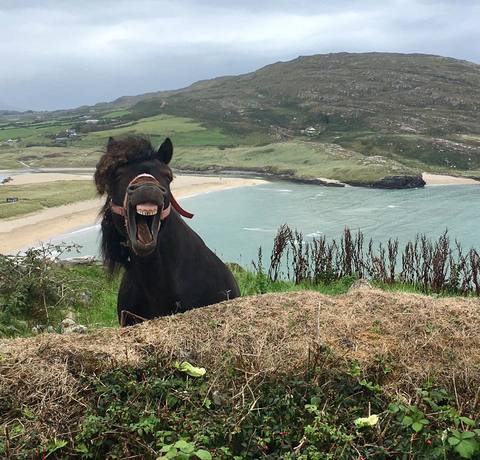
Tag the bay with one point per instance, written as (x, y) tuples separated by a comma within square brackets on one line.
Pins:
[(236, 222)]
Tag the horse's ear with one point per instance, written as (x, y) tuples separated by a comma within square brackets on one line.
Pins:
[(110, 143), (165, 151)]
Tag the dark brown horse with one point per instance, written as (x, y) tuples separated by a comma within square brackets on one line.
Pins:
[(168, 268)]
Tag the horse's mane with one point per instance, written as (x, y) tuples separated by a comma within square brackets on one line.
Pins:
[(129, 149)]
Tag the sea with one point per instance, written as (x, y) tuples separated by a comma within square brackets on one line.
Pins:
[(236, 222)]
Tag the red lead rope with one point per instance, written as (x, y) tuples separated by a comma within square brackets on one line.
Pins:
[(179, 209)]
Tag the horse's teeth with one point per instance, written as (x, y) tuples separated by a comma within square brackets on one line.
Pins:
[(146, 213), (146, 209)]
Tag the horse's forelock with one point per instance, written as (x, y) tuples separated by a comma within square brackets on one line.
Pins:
[(120, 151)]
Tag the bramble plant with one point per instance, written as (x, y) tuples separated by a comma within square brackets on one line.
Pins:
[(159, 411)]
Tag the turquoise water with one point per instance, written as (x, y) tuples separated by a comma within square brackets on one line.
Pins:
[(236, 222)]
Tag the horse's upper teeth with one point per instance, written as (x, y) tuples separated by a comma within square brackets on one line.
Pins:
[(144, 212), (146, 209)]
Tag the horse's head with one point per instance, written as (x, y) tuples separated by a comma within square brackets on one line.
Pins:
[(136, 179)]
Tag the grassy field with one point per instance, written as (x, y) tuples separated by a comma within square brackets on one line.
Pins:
[(298, 159), (36, 197), (350, 155), (33, 133), (49, 157), (117, 114)]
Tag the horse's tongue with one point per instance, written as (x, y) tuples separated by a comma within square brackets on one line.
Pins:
[(143, 233)]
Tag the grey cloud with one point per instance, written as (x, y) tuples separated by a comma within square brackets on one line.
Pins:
[(60, 54)]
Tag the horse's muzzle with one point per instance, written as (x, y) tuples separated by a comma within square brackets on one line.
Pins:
[(144, 202)]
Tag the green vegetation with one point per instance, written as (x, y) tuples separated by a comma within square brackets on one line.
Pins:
[(34, 197), (183, 131), (48, 157), (117, 114), (282, 377), (324, 414), (35, 291), (297, 160), (370, 116), (32, 133)]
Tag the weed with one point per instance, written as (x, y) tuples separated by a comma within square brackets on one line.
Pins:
[(432, 267)]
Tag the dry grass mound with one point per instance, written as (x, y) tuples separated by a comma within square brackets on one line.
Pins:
[(241, 341)]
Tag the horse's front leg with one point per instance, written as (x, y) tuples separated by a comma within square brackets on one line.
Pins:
[(130, 303)]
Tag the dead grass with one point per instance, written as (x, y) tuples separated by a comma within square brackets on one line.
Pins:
[(421, 338)]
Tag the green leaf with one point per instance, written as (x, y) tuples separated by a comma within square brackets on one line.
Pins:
[(189, 369), (366, 422), (57, 444), (417, 427), (172, 453), (166, 447), (184, 446), (467, 421), (467, 448), (468, 435), (453, 441), (407, 420), (393, 408), (203, 454)]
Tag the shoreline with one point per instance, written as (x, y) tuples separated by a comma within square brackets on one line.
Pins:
[(429, 178), (28, 230), (444, 179), (31, 229)]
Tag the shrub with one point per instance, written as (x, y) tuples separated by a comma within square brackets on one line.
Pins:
[(34, 286)]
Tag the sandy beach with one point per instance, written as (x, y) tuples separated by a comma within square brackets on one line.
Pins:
[(441, 179), (28, 230)]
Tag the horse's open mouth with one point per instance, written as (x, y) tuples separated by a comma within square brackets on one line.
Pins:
[(144, 224)]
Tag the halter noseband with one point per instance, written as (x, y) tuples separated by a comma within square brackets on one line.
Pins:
[(148, 178)]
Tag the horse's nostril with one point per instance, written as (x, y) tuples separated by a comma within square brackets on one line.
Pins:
[(131, 188)]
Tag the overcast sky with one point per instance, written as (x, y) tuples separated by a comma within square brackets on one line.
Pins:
[(65, 53)]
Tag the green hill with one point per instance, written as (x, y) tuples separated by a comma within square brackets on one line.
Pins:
[(408, 112), (414, 108)]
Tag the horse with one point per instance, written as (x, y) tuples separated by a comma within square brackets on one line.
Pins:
[(167, 266)]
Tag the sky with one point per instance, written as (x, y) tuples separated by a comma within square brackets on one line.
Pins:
[(57, 54)]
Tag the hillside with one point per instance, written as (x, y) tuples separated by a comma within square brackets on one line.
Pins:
[(418, 109), (398, 93), (400, 113), (286, 376)]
